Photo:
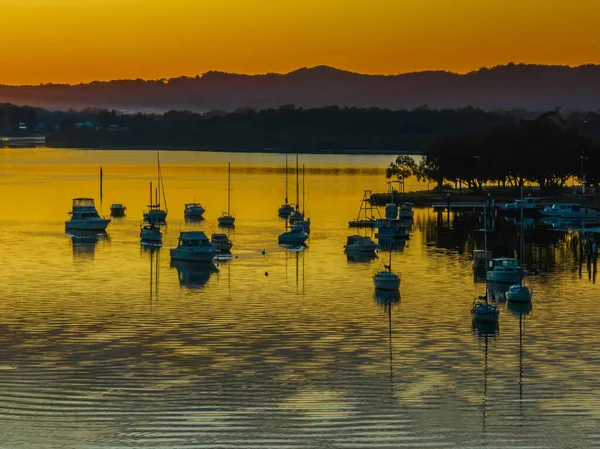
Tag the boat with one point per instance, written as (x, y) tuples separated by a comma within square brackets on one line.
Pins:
[(286, 209), (155, 214), (365, 217), (296, 214), (150, 233), (360, 244), (406, 211), (568, 210), (386, 279), (519, 293), (483, 311), (388, 229), (295, 236), (506, 270), (117, 210), (193, 211), (226, 219), (221, 242), (193, 246), (84, 216)]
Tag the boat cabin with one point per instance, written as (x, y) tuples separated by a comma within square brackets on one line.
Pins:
[(505, 264), (192, 239)]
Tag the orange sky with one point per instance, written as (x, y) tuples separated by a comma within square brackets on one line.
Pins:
[(83, 40)]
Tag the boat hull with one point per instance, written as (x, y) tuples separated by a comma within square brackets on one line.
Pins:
[(520, 295), (156, 216), (223, 247), (285, 211), (386, 282), (151, 237), (87, 225), (188, 255), (226, 221), (194, 214)]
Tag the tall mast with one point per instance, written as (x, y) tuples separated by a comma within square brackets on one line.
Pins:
[(161, 185), (302, 189), (297, 194), (521, 233), (150, 194), (286, 179), (158, 176), (228, 187)]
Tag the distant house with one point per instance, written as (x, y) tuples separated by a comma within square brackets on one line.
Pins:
[(22, 125)]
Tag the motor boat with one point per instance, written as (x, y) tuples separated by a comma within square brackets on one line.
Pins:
[(117, 210), (193, 246), (193, 211), (568, 210), (221, 242), (406, 211), (295, 236), (484, 312), (84, 216), (360, 244), (518, 294), (505, 270), (150, 233)]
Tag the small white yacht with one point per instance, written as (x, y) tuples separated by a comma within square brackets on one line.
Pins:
[(295, 236), (484, 312), (518, 294), (567, 210), (150, 233), (193, 211), (193, 246), (84, 216), (360, 244), (406, 211), (221, 242), (117, 210), (505, 270)]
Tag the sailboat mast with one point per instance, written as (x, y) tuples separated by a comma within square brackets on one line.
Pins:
[(286, 178), (161, 185), (521, 230), (151, 194), (302, 189), (297, 188), (228, 187), (158, 176)]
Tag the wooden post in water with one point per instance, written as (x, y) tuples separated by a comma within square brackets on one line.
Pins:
[(101, 183)]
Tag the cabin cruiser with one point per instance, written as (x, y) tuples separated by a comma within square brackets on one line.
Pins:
[(221, 242), (193, 211), (193, 246), (505, 270), (150, 233), (295, 236), (360, 244), (117, 210), (84, 216), (526, 203), (406, 211), (566, 210)]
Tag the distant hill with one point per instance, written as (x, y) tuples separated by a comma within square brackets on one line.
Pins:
[(512, 86)]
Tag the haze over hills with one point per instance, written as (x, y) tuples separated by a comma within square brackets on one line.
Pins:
[(511, 86)]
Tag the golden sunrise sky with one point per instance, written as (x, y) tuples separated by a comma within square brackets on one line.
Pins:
[(84, 40)]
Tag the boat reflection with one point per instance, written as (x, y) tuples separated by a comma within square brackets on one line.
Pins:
[(85, 242), (497, 290), (397, 245), (519, 309), (189, 219), (193, 275), (387, 297), (360, 257)]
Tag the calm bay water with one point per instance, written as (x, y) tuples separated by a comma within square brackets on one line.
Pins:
[(105, 344)]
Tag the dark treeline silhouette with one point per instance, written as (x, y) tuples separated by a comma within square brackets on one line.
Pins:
[(546, 151), (525, 86), (287, 128)]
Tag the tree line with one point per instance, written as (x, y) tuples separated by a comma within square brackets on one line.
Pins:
[(546, 151)]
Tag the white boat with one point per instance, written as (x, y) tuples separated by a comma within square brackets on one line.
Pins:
[(360, 244), (155, 214), (193, 211), (295, 236), (226, 219), (528, 203), (568, 210), (117, 210), (518, 294), (286, 209), (84, 216), (193, 246), (150, 233), (506, 270), (484, 312), (386, 279), (406, 211), (221, 242)]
